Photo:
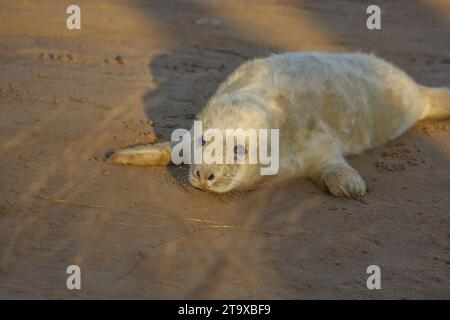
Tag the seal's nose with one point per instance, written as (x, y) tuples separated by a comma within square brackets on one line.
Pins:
[(205, 176)]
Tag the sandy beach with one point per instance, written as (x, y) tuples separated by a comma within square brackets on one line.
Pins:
[(139, 69)]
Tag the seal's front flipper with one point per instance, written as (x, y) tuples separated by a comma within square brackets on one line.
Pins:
[(340, 179), (344, 182), (144, 155)]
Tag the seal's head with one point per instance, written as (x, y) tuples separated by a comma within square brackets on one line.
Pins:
[(239, 116)]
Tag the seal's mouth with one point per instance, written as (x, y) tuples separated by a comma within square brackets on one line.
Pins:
[(202, 188)]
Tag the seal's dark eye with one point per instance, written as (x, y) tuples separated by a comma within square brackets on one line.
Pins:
[(202, 141), (239, 150)]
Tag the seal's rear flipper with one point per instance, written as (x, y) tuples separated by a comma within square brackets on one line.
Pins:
[(144, 155), (438, 103)]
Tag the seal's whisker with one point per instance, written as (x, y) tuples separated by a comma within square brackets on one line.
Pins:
[(183, 177), (238, 193)]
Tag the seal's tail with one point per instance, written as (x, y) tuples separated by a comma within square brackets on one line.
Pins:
[(438, 103), (144, 155)]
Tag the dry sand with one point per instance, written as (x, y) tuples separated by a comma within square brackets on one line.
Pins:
[(67, 98)]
